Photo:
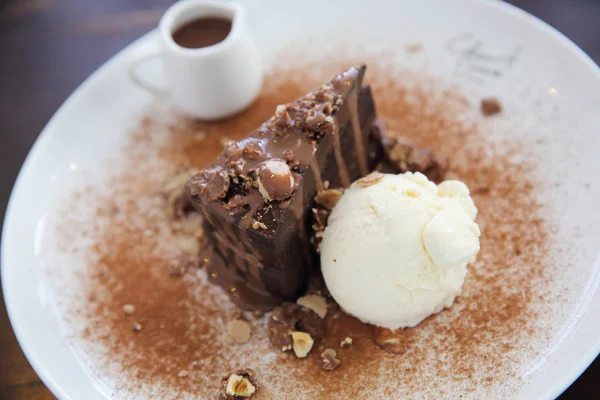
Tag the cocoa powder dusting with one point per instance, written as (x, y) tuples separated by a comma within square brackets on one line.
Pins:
[(132, 239)]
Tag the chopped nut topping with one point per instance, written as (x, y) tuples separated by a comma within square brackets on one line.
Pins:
[(347, 342), (370, 179), (240, 386), (129, 309), (405, 156), (213, 183), (329, 198), (258, 225), (239, 331), (314, 302), (490, 106), (290, 317), (137, 326), (183, 373), (394, 342), (303, 343), (329, 362)]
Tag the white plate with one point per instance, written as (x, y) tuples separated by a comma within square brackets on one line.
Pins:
[(88, 128)]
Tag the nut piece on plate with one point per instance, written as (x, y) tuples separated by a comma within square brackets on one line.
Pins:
[(329, 362), (370, 179), (291, 317), (239, 331), (328, 198), (347, 342), (129, 309), (314, 302), (303, 343), (238, 384), (405, 156), (394, 342), (275, 180)]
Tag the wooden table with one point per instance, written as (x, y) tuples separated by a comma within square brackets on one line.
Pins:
[(48, 47)]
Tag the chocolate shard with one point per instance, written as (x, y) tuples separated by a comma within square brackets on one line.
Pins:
[(257, 197)]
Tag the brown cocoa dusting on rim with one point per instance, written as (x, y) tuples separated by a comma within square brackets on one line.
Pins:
[(477, 336)]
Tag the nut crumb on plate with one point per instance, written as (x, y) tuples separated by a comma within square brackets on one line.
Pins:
[(329, 362), (394, 342), (315, 303), (129, 309), (238, 384), (303, 343)]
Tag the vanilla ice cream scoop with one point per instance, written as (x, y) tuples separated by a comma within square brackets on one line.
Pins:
[(396, 247)]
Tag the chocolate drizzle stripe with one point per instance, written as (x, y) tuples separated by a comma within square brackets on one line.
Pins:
[(361, 154), (341, 165), (314, 166)]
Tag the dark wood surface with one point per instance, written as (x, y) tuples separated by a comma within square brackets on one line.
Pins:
[(48, 47)]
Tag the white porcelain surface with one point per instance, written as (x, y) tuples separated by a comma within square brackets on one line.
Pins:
[(537, 62)]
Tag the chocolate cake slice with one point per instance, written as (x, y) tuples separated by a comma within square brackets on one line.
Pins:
[(257, 197)]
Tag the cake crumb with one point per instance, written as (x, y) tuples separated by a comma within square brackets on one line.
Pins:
[(490, 106)]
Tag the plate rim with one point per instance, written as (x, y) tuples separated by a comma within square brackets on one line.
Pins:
[(45, 374)]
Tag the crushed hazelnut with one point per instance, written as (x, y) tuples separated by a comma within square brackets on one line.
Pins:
[(370, 179), (275, 180), (394, 342), (129, 309), (329, 362), (239, 331), (314, 302), (303, 343), (238, 386), (258, 225), (405, 156), (290, 317), (347, 342), (329, 198)]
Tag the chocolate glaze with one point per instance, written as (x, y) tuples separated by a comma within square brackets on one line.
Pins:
[(261, 252)]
